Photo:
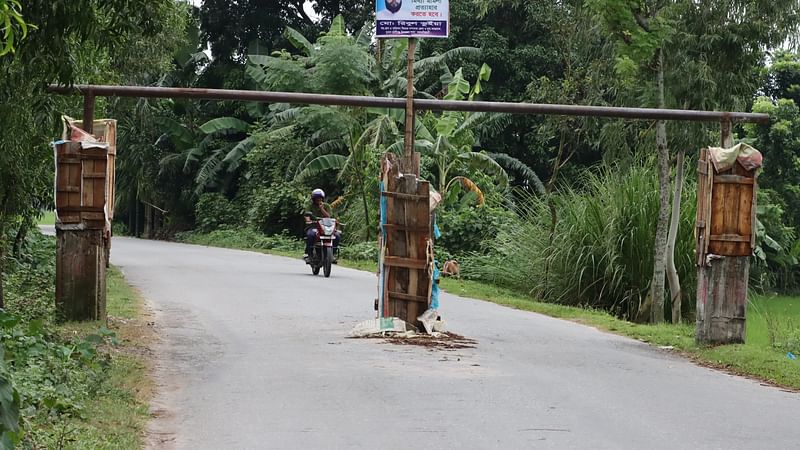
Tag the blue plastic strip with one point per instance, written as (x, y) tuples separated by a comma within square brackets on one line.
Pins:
[(381, 277), (435, 286)]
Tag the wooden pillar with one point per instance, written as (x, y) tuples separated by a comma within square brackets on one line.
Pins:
[(726, 210), (80, 274), (405, 262), (81, 176)]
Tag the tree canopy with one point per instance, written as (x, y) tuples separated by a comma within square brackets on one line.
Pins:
[(254, 163)]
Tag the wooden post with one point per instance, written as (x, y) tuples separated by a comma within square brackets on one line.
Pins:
[(405, 263), (80, 274), (726, 208), (81, 190), (405, 258), (410, 160)]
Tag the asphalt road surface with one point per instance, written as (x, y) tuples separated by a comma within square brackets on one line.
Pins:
[(253, 355)]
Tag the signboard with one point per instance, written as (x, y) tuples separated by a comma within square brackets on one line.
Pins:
[(412, 18)]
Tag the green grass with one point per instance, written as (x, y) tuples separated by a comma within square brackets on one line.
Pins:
[(49, 218), (122, 301), (243, 239), (116, 416), (781, 310), (758, 358)]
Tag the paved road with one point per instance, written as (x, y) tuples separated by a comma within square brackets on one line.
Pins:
[(254, 357)]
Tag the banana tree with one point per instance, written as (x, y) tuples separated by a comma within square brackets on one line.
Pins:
[(208, 149), (450, 139)]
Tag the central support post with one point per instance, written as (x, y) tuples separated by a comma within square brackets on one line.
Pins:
[(407, 253), (81, 244), (410, 157), (725, 226)]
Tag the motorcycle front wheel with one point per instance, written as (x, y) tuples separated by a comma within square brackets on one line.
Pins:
[(327, 260), (315, 266)]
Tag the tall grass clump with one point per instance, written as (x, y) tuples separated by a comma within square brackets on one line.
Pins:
[(599, 254)]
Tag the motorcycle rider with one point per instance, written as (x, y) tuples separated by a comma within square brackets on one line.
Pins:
[(319, 209)]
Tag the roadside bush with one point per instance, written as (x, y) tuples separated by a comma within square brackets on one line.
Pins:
[(277, 209), (44, 378), (362, 251), (214, 211), (601, 252), (777, 248), (119, 229), (52, 377), (470, 229), (30, 279)]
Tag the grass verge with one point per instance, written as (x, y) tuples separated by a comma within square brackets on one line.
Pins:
[(48, 218), (116, 416), (763, 357)]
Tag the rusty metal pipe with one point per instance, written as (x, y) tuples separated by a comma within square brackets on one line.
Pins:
[(399, 103)]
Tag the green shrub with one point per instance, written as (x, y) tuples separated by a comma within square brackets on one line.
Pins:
[(777, 248), (53, 377), (119, 229), (277, 209), (49, 378), (214, 211), (601, 254), (362, 251), (470, 228), (30, 279)]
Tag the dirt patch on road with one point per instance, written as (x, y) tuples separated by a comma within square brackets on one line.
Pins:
[(440, 341)]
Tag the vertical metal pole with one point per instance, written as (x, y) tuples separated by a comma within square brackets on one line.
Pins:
[(408, 155), (726, 134), (88, 113), (379, 52)]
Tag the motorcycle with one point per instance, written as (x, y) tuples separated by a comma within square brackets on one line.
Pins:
[(322, 253)]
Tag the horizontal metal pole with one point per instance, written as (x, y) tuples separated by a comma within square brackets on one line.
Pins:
[(399, 103), (592, 111), (230, 94)]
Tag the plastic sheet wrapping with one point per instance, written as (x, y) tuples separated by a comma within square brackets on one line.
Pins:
[(724, 158)]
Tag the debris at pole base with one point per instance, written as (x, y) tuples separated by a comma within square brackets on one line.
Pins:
[(394, 326), (429, 320), (380, 325)]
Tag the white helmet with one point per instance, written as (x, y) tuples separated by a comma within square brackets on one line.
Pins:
[(318, 193)]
